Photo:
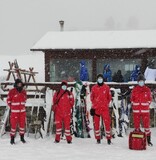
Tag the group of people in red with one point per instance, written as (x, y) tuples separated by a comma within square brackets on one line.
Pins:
[(63, 101)]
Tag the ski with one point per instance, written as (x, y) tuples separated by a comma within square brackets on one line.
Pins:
[(81, 116), (4, 120)]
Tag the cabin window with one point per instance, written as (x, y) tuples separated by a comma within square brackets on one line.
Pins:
[(125, 65), (68, 69), (152, 61)]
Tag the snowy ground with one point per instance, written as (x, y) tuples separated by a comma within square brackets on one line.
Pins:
[(80, 149)]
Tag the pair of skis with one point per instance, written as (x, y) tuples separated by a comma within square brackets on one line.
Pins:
[(124, 113), (120, 112), (81, 116)]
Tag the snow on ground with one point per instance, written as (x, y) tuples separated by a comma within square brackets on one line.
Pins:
[(80, 149)]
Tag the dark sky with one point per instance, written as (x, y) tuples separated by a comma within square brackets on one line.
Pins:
[(24, 22)]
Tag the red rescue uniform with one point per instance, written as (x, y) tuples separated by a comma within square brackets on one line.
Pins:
[(16, 101), (141, 99), (65, 102), (101, 97)]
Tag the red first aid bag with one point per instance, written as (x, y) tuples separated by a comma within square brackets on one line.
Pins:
[(137, 140)]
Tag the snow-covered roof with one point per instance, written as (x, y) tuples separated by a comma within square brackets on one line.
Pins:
[(97, 40)]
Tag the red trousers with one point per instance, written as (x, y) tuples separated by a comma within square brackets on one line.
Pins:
[(17, 119), (145, 121), (59, 120), (107, 123)]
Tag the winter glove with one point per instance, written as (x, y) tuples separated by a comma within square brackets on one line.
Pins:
[(92, 111)]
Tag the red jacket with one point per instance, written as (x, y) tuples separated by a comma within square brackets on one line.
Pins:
[(101, 97), (16, 100), (65, 103), (141, 99)]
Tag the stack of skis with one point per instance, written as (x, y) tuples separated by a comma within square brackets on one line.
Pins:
[(80, 117), (120, 112)]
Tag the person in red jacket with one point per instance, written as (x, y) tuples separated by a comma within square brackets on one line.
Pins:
[(16, 100), (141, 99), (63, 101), (101, 97)]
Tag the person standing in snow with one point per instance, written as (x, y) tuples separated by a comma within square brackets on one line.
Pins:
[(141, 99), (135, 73), (63, 102), (107, 73), (150, 72), (83, 71), (16, 100), (100, 98)]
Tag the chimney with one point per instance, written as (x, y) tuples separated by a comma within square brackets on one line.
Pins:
[(61, 25)]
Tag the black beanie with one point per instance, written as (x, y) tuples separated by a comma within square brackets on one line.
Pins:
[(17, 81), (64, 83), (141, 78), (100, 76)]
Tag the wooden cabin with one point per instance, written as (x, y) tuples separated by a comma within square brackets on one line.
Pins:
[(123, 50)]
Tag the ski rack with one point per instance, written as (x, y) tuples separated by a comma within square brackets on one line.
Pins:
[(44, 128), (5, 116), (36, 123)]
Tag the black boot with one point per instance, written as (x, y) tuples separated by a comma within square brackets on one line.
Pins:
[(98, 141), (12, 141), (109, 141), (149, 141), (69, 142), (22, 139)]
